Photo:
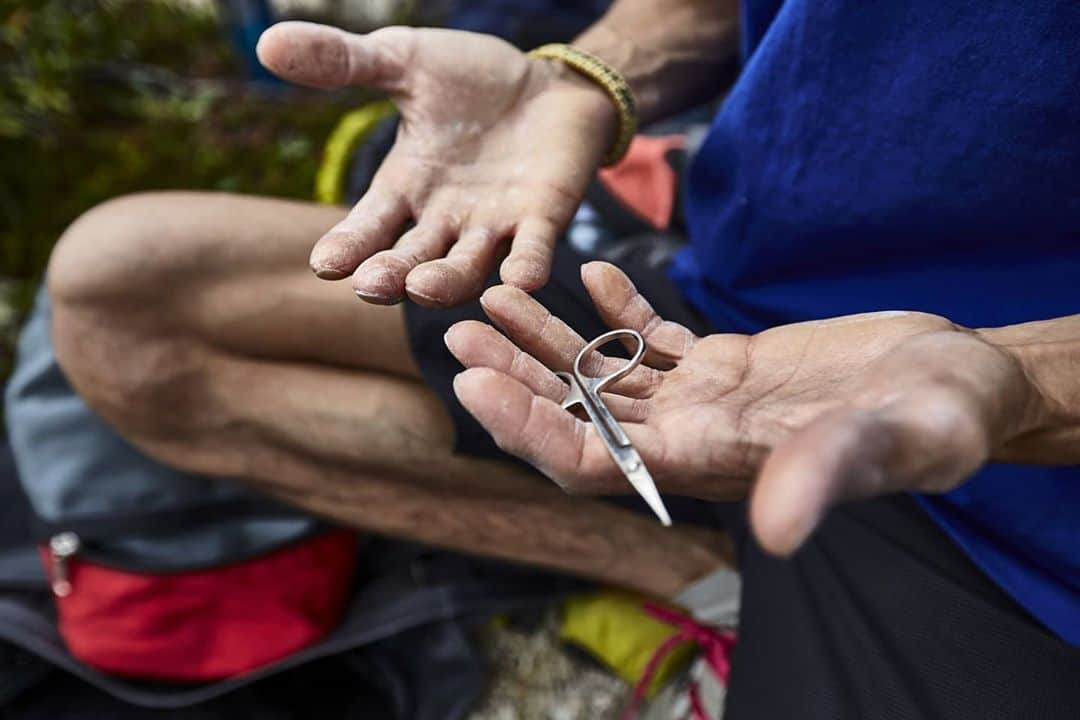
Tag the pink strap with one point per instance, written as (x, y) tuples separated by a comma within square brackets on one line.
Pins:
[(716, 646)]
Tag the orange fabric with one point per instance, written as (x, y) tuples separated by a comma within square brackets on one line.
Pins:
[(208, 624), (644, 181)]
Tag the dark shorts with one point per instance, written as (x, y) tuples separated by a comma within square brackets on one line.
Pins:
[(880, 615)]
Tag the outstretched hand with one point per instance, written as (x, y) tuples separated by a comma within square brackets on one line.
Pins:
[(493, 155), (801, 416)]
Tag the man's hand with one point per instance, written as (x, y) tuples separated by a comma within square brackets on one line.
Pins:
[(494, 150), (818, 411)]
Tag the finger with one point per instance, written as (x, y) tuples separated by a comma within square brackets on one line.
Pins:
[(476, 344), (930, 441), (622, 306), (381, 278), (540, 432), (554, 343), (528, 266), (374, 223), (460, 276), (326, 57)]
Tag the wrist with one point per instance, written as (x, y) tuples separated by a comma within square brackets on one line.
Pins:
[(1047, 414), (618, 120), (590, 98), (638, 65), (673, 53)]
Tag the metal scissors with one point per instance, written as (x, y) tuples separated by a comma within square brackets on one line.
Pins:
[(585, 391)]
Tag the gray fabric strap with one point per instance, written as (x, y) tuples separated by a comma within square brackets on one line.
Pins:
[(21, 569), (76, 470), (714, 599)]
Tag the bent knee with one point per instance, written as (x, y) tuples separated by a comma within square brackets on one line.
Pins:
[(154, 246), (118, 250), (108, 280), (126, 370), (149, 387)]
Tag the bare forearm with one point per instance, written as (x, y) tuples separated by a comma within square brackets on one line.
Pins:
[(1049, 353), (672, 52)]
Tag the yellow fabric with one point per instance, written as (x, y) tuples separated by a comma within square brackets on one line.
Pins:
[(337, 154), (612, 627), (613, 83)]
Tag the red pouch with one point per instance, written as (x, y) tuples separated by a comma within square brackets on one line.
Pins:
[(205, 624)]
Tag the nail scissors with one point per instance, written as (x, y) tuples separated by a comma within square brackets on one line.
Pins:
[(585, 391)]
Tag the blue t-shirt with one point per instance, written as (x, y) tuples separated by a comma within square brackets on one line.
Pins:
[(919, 155)]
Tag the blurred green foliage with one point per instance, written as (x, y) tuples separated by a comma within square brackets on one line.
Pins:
[(99, 98)]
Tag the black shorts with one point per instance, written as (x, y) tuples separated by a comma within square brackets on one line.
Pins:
[(879, 615)]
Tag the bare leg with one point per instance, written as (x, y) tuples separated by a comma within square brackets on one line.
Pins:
[(191, 323)]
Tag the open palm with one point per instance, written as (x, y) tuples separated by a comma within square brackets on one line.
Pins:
[(493, 155), (817, 411)]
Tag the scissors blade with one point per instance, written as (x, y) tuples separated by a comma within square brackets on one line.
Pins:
[(639, 478)]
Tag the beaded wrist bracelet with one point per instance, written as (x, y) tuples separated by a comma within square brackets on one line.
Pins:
[(611, 81)]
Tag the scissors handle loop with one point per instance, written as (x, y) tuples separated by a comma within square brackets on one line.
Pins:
[(599, 383)]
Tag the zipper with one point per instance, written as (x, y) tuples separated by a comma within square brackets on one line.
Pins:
[(65, 545), (62, 546)]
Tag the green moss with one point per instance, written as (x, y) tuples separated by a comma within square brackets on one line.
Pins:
[(100, 98)]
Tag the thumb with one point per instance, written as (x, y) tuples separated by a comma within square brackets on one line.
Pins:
[(327, 57), (929, 442)]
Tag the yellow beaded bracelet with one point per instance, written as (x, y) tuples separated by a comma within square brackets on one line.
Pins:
[(611, 81)]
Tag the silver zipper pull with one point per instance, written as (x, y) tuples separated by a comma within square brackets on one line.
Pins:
[(63, 547)]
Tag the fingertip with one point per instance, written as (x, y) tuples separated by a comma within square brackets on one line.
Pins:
[(328, 262), (608, 286), (264, 45), (781, 529), (527, 275), (490, 295), (324, 273), (271, 42), (378, 299), (432, 284), (497, 297), (297, 51), (473, 385), (595, 269), (377, 280), (528, 266), (467, 379), (590, 269), (450, 339), (456, 336), (424, 300)]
